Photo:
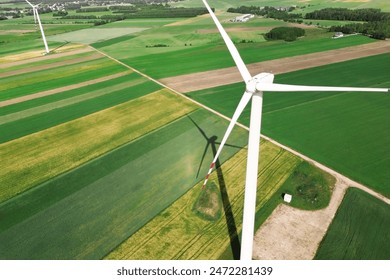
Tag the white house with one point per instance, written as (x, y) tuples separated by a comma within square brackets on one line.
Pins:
[(243, 18)]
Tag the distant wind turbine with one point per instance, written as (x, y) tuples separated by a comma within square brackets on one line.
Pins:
[(36, 18), (255, 86)]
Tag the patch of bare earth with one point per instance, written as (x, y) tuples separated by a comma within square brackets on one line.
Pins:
[(294, 234), (61, 89), (214, 78), (302, 25), (93, 56)]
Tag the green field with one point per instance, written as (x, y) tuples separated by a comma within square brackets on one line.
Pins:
[(114, 169), (29, 66), (359, 231), (216, 56), (39, 118), (180, 233), (346, 131), (194, 45), (54, 148), (88, 205), (29, 83), (92, 35)]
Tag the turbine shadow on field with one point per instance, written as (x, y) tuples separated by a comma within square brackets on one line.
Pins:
[(230, 221), (64, 44)]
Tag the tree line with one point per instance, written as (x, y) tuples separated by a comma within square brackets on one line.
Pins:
[(368, 15), (377, 29), (377, 23)]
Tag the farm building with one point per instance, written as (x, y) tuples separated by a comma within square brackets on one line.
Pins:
[(338, 35), (243, 18)]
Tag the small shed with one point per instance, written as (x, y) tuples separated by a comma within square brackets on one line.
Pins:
[(287, 197)]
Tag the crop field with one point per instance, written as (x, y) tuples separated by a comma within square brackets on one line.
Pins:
[(359, 231), (21, 66), (179, 233), (210, 57), (89, 144), (347, 131), (92, 35), (92, 201), (74, 104), (29, 83)]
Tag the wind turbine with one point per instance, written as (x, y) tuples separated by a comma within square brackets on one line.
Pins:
[(255, 86), (36, 18)]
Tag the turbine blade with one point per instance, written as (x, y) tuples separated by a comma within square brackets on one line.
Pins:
[(42, 32), (232, 48), (228, 145), (241, 106), (35, 15), (198, 127), (203, 156), (29, 3), (281, 87)]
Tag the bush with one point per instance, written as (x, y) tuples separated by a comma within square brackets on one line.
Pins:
[(285, 33)]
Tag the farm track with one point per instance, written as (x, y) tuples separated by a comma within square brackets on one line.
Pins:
[(93, 56), (47, 57), (61, 89), (214, 78)]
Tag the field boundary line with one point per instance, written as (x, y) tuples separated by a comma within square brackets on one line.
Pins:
[(61, 89), (339, 176)]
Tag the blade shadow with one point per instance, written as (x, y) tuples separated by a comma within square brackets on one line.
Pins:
[(209, 140), (230, 221)]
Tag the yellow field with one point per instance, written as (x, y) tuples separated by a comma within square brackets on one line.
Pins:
[(40, 156), (178, 233)]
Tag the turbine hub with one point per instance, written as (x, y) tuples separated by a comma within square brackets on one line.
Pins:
[(251, 86), (260, 78)]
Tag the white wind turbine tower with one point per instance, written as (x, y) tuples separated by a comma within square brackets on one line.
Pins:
[(36, 17), (255, 86)]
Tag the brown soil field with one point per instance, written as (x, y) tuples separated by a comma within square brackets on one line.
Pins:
[(214, 78)]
